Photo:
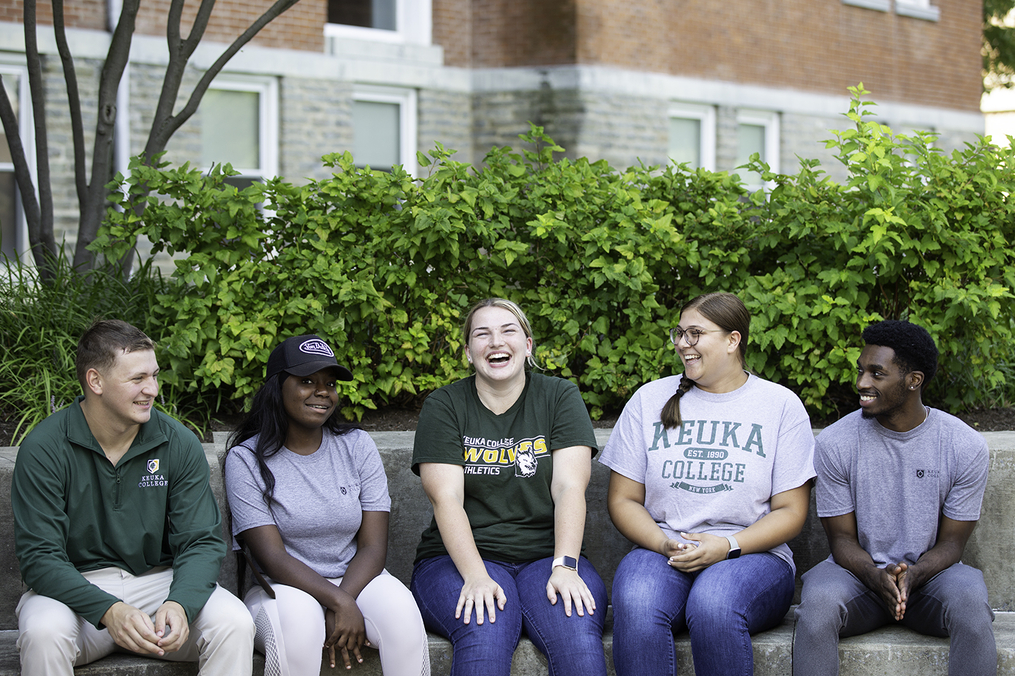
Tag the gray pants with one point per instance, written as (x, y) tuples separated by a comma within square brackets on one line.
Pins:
[(834, 604)]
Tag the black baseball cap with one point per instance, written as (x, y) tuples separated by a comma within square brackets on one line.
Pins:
[(303, 355)]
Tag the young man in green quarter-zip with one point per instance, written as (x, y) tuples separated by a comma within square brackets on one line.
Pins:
[(117, 531)]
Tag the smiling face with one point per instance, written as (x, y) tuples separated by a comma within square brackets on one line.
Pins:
[(497, 345), (883, 386), (126, 390), (713, 363), (310, 400)]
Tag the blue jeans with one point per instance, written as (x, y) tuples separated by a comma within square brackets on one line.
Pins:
[(573, 645), (835, 603), (721, 606)]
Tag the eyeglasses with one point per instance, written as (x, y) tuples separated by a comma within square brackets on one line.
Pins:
[(692, 335)]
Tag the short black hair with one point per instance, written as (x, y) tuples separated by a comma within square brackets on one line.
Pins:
[(914, 348)]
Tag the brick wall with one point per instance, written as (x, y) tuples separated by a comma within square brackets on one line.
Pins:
[(300, 27), (817, 45), (522, 32)]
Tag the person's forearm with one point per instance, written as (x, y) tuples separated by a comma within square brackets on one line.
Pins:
[(851, 556), (637, 525), (775, 528), (456, 532), (939, 557), (285, 569), (569, 522)]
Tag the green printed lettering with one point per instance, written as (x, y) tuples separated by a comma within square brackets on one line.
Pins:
[(739, 476), (729, 432), (686, 432), (660, 433), (701, 432), (755, 440)]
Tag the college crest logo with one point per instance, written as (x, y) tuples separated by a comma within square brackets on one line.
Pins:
[(153, 465), (315, 346)]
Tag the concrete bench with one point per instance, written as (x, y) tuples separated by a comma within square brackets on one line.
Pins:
[(891, 650)]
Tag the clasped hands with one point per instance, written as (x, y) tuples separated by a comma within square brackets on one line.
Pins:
[(893, 583), (699, 553), (134, 630)]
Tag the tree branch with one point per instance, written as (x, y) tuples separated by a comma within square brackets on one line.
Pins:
[(162, 130), (40, 236), (22, 175), (73, 98)]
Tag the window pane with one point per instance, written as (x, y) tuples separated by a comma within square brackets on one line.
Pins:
[(366, 13), (685, 141), (8, 214), (375, 134), (230, 129), (750, 140), (11, 85)]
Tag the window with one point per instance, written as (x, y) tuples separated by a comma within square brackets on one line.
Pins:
[(13, 228), (384, 128), (757, 132), (879, 5), (692, 136), (239, 126), (385, 20), (919, 9)]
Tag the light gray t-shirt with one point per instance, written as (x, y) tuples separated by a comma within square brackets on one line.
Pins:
[(718, 471), (900, 483), (319, 498)]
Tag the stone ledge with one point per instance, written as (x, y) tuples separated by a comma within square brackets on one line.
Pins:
[(890, 651)]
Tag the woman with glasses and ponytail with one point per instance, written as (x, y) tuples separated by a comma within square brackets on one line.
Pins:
[(711, 475)]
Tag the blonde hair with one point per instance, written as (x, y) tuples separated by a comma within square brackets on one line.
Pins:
[(503, 304)]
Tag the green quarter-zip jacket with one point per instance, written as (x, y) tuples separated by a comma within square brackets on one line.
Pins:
[(75, 512)]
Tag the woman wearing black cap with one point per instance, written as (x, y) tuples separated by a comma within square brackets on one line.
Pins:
[(309, 497)]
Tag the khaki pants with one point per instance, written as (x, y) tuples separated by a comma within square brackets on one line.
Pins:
[(53, 640)]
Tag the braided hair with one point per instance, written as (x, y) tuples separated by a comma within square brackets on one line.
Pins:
[(730, 314)]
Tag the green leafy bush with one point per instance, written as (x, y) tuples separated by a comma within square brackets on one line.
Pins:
[(41, 322), (384, 265)]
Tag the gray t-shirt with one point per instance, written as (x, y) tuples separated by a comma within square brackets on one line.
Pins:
[(718, 471), (319, 498), (900, 483)]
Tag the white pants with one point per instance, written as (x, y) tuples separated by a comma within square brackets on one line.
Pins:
[(53, 640), (290, 628)]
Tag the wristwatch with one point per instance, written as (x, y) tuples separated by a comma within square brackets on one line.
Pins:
[(734, 551), (566, 561)]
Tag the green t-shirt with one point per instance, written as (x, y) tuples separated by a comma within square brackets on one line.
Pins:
[(507, 459)]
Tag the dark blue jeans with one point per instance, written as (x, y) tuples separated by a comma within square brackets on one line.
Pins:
[(720, 606), (573, 645)]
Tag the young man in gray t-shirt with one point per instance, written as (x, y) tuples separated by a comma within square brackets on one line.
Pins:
[(898, 489)]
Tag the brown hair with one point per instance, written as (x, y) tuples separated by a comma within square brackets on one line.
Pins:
[(503, 304), (103, 342), (730, 314)]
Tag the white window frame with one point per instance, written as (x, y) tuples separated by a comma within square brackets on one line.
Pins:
[(413, 25), (267, 90), (877, 5), (706, 116), (770, 121), (27, 133), (406, 100), (918, 9)]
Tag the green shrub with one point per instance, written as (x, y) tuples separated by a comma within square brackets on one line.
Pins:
[(384, 265), (41, 322)]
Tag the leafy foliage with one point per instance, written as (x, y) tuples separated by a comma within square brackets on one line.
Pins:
[(40, 324), (998, 43), (384, 265)]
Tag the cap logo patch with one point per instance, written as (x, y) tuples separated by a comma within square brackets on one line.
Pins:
[(315, 346)]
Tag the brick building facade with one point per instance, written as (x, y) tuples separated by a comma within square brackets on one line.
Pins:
[(626, 80)]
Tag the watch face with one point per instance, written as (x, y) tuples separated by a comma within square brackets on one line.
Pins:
[(733, 553), (571, 562)]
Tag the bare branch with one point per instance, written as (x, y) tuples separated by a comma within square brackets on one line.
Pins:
[(41, 237), (93, 199), (73, 98), (162, 130), (22, 175)]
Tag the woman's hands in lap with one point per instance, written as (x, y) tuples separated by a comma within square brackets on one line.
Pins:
[(572, 589)]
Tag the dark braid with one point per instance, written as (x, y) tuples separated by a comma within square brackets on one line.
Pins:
[(671, 411)]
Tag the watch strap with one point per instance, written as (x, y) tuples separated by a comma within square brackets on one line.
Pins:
[(734, 551), (566, 562)]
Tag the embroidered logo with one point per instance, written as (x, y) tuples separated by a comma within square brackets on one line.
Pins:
[(153, 479), (315, 346)]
